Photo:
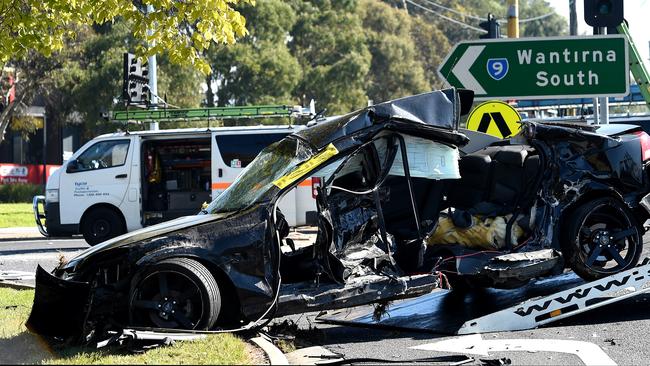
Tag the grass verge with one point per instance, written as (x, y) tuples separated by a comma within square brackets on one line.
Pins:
[(16, 215), (18, 346)]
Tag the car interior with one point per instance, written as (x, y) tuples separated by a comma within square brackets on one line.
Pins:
[(370, 225)]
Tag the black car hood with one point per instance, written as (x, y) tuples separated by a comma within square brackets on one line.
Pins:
[(143, 234)]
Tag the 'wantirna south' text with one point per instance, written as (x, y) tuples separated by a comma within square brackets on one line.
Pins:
[(526, 57)]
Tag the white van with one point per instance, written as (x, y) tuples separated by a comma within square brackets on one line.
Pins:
[(124, 181)]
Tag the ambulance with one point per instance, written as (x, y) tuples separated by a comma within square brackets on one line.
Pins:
[(124, 181)]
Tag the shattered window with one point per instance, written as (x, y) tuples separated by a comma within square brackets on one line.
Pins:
[(257, 179)]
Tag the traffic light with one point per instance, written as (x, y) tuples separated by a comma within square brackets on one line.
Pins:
[(603, 13), (491, 26), (135, 88)]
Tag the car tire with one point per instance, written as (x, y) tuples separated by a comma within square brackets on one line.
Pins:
[(602, 237), (176, 293), (101, 224)]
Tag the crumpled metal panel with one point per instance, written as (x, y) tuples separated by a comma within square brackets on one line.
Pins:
[(436, 112), (60, 307), (438, 108)]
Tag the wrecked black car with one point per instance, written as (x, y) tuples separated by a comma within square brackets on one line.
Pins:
[(408, 202)]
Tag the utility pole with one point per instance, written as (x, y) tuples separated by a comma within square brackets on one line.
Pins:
[(405, 8), (573, 18), (513, 18), (153, 80)]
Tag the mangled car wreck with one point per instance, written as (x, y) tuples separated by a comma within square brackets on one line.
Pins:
[(407, 200)]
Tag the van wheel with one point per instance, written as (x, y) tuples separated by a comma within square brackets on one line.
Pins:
[(101, 224), (602, 237), (177, 293)]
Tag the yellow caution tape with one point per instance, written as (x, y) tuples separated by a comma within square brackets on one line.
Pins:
[(306, 167)]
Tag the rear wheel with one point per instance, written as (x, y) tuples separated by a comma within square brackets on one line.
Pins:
[(177, 293), (101, 224), (602, 238)]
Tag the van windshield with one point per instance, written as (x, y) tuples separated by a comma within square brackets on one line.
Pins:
[(256, 181)]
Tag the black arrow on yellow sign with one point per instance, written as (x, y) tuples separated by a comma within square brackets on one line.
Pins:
[(499, 121)]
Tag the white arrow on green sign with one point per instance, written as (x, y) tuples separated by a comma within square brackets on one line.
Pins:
[(540, 68)]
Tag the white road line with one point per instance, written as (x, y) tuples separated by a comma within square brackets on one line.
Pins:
[(589, 353)]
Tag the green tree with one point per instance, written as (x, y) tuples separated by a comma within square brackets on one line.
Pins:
[(83, 80), (395, 68), (553, 25), (179, 30), (183, 29), (330, 43), (259, 69)]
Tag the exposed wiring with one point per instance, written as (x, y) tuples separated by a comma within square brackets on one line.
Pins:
[(350, 191)]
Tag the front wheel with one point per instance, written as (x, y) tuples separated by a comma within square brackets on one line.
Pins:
[(101, 224), (602, 238), (177, 293)]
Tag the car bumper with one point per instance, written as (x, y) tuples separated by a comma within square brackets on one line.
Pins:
[(60, 306)]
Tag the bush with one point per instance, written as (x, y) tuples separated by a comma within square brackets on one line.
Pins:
[(17, 193)]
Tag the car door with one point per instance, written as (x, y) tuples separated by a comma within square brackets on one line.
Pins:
[(99, 174)]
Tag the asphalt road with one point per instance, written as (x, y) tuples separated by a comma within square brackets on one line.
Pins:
[(620, 329), (25, 255)]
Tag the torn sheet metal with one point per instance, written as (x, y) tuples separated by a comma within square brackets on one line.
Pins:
[(298, 298), (444, 312)]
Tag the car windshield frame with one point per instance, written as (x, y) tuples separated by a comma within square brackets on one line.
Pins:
[(255, 184)]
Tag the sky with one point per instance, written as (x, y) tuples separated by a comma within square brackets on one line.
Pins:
[(636, 13)]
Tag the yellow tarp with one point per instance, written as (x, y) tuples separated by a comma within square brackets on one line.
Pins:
[(484, 233)]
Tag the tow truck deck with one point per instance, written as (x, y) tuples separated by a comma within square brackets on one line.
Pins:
[(489, 310)]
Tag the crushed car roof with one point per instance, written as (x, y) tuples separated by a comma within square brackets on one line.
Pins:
[(439, 109)]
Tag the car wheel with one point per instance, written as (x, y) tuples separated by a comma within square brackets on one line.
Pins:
[(101, 224), (177, 293), (602, 237)]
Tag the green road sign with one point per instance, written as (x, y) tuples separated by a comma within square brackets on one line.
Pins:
[(540, 68)]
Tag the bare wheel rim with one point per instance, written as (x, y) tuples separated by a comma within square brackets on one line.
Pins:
[(607, 239), (168, 299)]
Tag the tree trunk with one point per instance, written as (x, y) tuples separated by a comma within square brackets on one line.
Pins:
[(209, 94)]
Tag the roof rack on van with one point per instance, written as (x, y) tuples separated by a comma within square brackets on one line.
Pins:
[(261, 111)]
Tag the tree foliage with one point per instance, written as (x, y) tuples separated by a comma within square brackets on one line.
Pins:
[(181, 29), (341, 53)]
